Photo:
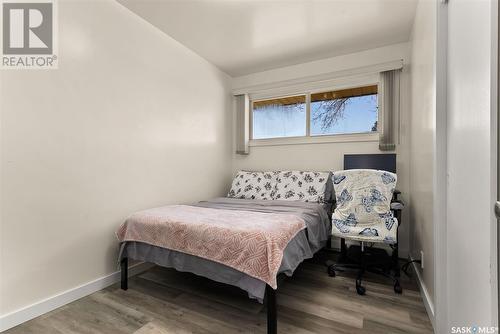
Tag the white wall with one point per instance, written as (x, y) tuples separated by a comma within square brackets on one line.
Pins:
[(472, 123), (422, 142), (329, 156), (130, 120)]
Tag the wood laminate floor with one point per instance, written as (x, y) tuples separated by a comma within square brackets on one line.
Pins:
[(161, 301)]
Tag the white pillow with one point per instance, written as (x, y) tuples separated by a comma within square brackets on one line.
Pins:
[(252, 185), (301, 186)]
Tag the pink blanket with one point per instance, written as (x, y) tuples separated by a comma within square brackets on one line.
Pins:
[(251, 242)]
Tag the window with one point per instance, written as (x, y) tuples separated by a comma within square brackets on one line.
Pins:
[(346, 111), (283, 117), (352, 110)]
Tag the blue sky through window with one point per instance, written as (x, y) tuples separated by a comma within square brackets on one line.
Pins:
[(360, 115), (277, 120)]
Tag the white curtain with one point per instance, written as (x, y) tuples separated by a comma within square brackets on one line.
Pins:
[(242, 123), (390, 105)]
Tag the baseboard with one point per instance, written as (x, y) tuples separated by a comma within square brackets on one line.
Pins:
[(429, 305), (32, 311)]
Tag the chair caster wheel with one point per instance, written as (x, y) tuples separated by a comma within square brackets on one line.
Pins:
[(331, 271), (360, 290), (397, 288)]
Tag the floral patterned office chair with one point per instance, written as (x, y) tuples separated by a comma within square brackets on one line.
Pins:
[(367, 211)]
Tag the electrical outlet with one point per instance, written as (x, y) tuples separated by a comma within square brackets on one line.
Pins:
[(421, 259)]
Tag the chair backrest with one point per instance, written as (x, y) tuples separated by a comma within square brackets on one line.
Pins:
[(385, 162), (363, 205), (363, 193)]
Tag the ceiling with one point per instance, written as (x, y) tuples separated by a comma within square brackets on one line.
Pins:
[(247, 36)]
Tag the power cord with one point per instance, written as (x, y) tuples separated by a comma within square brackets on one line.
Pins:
[(405, 266)]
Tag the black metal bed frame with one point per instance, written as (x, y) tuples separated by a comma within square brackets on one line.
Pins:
[(270, 296)]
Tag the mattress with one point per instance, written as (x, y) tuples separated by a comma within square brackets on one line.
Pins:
[(301, 247)]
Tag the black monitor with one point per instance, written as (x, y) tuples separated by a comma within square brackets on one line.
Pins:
[(385, 162)]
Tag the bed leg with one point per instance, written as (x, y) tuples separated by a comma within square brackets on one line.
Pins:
[(272, 319), (124, 273)]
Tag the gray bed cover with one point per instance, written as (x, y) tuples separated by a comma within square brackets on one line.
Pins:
[(301, 247)]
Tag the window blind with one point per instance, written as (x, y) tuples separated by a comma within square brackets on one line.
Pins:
[(242, 123), (390, 88)]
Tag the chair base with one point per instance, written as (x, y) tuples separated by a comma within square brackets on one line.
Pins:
[(367, 259)]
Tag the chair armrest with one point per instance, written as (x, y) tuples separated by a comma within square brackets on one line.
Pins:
[(395, 195), (397, 205)]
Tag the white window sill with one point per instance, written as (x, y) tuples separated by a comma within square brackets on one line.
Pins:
[(343, 138)]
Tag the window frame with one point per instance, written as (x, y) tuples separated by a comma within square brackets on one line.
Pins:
[(307, 90)]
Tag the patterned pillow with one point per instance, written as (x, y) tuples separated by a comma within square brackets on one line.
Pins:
[(363, 205), (252, 185), (301, 186)]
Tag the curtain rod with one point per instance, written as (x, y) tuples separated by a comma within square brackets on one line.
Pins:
[(370, 69)]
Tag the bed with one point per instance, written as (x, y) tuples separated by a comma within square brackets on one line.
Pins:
[(305, 219)]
